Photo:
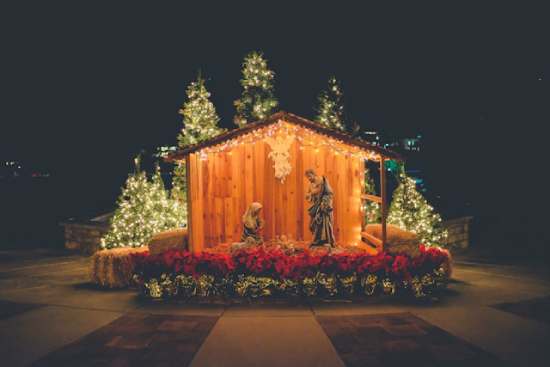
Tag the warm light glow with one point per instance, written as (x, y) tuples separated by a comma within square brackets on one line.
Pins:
[(305, 136), (410, 211), (144, 209)]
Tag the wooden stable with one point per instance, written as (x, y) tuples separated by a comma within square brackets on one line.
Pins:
[(229, 172)]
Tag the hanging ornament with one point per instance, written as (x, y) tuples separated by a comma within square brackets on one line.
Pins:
[(280, 154)]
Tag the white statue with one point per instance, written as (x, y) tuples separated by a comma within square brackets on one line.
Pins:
[(280, 155)]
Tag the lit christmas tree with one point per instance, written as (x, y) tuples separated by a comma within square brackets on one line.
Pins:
[(200, 120), (371, 208), (410, 211), (258, 99), (330, 112), (144, 209), (178, 193), (169, 208), (179, 184)]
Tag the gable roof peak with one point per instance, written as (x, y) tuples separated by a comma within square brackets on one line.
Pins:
[(289, 118)]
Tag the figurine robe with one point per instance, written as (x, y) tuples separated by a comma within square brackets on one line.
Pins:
[(321, 211), (252, 224)]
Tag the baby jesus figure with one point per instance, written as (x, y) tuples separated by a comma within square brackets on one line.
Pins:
[(252, 224)]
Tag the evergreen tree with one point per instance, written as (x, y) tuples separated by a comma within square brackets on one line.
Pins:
[(200, 120), (178, 193), (258, 99), (330, 112), (371, 208), (144, 209), (171, 212), (410, 211), (179, 183)]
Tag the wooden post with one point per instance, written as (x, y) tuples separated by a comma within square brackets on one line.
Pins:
[(383, 205), (189, 215), (363, 198)]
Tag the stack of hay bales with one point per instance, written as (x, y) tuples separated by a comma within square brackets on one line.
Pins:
[(168, 240), (398, 241), (114, 268)]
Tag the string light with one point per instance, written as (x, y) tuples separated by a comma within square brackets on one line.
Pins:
[(144, 209), (200, 119), (331, 108), (258, 100), (307, 138), (410, 211)]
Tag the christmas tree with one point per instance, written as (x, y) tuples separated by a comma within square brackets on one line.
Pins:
[(178, 193), (371, 208), (171, 211), (144, 209), (410, 211), (257, 100), (179, 183), (330, 112), (200, 120)]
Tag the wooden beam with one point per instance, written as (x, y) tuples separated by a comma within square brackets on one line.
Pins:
[(363, 192), (383, 203), (376, 199), (290, 118), (376, 242), (189, 216)]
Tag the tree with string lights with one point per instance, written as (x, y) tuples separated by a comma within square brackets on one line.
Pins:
[(330, 112), (200, 123), (170, 208), (144, 209), (179, 184), (258, 99), (200, 120), (410, 211), (371, 208)]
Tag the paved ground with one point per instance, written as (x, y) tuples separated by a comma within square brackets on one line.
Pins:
[(50, 315)]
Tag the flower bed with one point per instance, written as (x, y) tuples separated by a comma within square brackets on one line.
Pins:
[(260, 272)]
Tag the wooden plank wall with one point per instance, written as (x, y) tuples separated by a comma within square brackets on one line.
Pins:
[(224, 184)]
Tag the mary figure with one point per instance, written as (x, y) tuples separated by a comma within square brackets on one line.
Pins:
[(320, 212), (252, 224)]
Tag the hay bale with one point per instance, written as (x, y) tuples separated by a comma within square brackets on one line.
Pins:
[(167, 240), (114, 268), (397, 239)]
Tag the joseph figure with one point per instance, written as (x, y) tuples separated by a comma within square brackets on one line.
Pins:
[(320, 195)]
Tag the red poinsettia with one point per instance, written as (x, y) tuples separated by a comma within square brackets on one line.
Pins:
[(401, 267), (278, 264), (217, 264), (378, 264)]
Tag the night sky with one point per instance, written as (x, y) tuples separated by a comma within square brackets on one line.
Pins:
[(85, 87)]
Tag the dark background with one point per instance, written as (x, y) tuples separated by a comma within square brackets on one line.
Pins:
[(85, 87)]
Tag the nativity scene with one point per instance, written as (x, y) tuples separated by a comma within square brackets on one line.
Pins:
[(275, 207), (307, 179)]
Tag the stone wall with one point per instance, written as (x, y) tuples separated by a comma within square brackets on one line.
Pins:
[(84, 237), (459, 232)]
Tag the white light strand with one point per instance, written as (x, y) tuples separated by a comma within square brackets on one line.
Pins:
[(285, 128)]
